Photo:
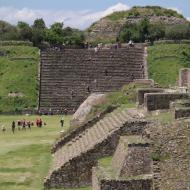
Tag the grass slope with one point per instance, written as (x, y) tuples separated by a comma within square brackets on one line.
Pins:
[(165, 60), (25, 156), (18, 74)]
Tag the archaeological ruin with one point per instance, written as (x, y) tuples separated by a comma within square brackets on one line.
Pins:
[(67, 78)]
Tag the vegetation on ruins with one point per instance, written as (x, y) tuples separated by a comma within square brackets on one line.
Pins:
[(144, 11), (145, 31)]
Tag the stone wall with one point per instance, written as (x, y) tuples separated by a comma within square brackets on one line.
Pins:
[(143, 91), (64, 138), (131, 184), (68, 76), (132, 157), (78, 171), (159, 101), (182, 112), (184, 77)]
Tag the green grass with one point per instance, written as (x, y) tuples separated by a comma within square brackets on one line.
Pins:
[(163, 117), (25, 156), (165, 61), (18, 73)]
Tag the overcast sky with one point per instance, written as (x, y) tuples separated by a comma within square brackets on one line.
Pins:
[(76, 13)]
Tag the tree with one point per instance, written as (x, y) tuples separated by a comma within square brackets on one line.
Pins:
[(8, 31), (156, 31), (39, 24), (54, 35), (178, 32), (38, 31), (25, 31)]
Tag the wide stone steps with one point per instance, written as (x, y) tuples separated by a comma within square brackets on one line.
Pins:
[(77, 69), (89, 138)]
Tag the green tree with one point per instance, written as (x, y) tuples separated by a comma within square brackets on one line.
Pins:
[(38, 31), (8, 31), (156, 31), (25, 31), (54, 35)]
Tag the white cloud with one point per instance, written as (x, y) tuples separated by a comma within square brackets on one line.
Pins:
[(188, 18), (176, 9), (78, 19)]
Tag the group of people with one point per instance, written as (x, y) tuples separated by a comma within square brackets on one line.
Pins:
[(23, 125)]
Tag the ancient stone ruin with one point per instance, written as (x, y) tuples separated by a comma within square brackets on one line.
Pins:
[(68, 76), (121, 133)]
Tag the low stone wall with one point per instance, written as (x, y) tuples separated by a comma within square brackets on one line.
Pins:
[(182, 113), (143, 91), (78, 171), (159, 101), (141, 183), (132, 157)]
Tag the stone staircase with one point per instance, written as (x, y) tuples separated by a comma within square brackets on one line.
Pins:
[(68, 76), (72, 164)]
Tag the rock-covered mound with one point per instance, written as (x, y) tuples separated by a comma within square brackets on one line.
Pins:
[(107, 28)]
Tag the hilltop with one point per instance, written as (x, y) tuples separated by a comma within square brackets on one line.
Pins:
[(108, 28)]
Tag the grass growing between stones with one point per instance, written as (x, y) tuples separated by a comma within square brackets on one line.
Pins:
[(25, 156), (164, 117)]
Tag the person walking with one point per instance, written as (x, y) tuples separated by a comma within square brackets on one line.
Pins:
[(13, 127), (62, 122)]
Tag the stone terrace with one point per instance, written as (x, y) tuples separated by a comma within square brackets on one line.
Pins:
[(68, 76), (72, 164)]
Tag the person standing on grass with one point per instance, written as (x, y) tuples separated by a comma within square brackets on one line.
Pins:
[(29, 125), (13, 127), (24, 125), (62, 122)]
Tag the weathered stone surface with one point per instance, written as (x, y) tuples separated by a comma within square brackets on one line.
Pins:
[(68, 76), (143, 91), (130, 184), (72, 164), (132, 157), (182, 112), (159, 101), (106, 29), (184, 77), (80, 116)]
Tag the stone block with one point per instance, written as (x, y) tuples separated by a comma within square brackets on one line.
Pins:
[(161, 101), (141, 92)]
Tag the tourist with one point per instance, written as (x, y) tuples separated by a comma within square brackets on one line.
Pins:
[(29, 125), (24, 125), (13, 127), (37, 123), (131, 44), (62, 122), (40, 122)]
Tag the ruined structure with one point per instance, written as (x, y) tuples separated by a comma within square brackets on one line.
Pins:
[(73, 161), (131, 167), (68, 76)]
